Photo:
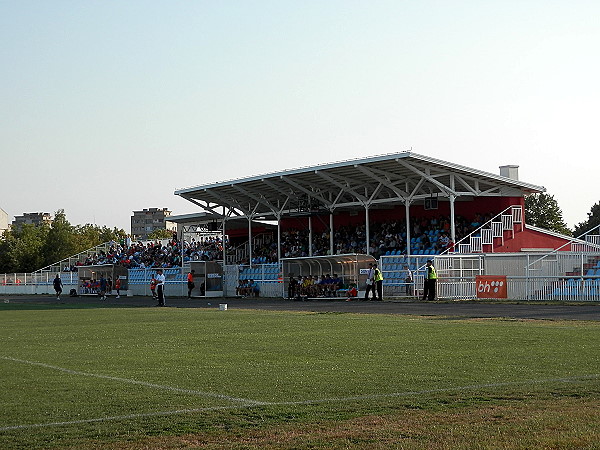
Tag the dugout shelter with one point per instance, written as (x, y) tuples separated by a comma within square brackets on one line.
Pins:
[(208, 279), (87, 275), (351, 268)]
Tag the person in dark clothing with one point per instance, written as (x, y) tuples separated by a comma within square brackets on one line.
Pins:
[(292, 287), (370, 283), (57, 283), (103, 285), (429, 284)]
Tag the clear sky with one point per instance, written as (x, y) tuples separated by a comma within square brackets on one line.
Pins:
[(110, 106)]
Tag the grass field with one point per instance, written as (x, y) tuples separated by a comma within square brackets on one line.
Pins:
[(84, 377)]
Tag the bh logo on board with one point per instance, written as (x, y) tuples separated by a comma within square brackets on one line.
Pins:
[(491, 286)]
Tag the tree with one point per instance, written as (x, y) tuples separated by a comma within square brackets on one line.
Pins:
[(160, 233), (592, 221), (542, 210), (30, 247), (59, 242), (22, 248), (107, 235), (88, 236)]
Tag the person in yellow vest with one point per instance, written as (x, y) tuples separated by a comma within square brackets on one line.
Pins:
[(429, 282), (378, 279)]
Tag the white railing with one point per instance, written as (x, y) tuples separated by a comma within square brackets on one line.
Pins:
[(485, 235), (564, 276), (59, 267), (580, 289)]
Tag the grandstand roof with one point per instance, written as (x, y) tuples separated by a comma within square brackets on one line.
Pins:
[(190, 222), (370, 182)]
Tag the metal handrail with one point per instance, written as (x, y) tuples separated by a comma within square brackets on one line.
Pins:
[(513, 208)]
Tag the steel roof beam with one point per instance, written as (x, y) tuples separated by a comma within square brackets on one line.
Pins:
[(386, 181), (257, 198), (230, 202), (308, 192), (344, 187), (425, 176)]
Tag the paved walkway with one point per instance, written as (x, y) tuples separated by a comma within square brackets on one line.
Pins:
[(520, 310)]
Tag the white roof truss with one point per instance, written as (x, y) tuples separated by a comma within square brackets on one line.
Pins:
[(392, 179)]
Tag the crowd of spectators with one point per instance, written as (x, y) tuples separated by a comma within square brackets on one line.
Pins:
[(431, 234), (156, 254)]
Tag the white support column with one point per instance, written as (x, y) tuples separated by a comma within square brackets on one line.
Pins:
[(452, 222), (331, 249), (223, 243), (367, 229), (250, 240), (278, 238), (310, 236), (181, 242), (407, 213)]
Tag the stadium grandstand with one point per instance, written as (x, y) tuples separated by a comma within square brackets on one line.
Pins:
[(398, 209)]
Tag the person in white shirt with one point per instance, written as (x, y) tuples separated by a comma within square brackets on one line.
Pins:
[(408, 280), (160, 287)]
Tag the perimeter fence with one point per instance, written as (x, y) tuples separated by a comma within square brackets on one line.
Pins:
[(560, 276)]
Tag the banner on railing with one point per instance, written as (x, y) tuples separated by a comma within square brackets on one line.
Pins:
[(491, 286)]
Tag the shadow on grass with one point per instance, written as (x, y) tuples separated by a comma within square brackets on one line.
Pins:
[(16, 305)]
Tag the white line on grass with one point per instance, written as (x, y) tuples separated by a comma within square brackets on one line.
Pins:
[(439, 390), (126, 417), (245, 401), (306, 402)]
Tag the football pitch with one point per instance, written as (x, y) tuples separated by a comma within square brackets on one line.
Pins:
[(77, 376)]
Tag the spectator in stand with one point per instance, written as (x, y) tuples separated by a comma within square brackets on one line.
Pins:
[(444, 240), (329, 291), (299, 288), (336, 284), (255, 288), (239, 290), (352, 292)]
